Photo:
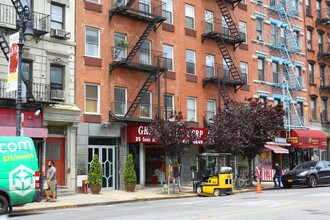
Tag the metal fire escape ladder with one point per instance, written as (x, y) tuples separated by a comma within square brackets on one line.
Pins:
[(4, 45), (151, 24), (290, 82), (229, 20), (153, 76)]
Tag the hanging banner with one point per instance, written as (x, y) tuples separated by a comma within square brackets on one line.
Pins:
[(13, 63)]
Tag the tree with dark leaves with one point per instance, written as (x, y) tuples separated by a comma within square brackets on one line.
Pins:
[(243, 128), (174, 135)]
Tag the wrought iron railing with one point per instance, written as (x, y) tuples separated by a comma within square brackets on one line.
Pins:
[(153, 7), (222, 72)]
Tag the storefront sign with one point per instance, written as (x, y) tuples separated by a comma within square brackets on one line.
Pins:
[(137, 133), (308, 139)]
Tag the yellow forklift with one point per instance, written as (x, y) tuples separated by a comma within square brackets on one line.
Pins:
[(212, 177)]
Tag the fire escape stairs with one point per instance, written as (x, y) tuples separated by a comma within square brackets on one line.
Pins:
[(235, 3), (153, 76)]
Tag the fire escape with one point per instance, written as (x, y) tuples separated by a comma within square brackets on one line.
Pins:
[(290, 82), (9, 24), (224, 32), (154, 65)]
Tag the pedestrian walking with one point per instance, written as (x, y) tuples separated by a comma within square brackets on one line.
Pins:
[(176, 175), (277, 176), (51, 181)]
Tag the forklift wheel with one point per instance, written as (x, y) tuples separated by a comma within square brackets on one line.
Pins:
[(216, 192), (199, 189)]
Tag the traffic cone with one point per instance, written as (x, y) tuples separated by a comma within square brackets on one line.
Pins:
[(258, 190)]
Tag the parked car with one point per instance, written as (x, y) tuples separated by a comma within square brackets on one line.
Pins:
[(310, 173)]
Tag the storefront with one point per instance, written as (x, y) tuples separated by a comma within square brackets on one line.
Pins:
[(149, 155), (307, 145)]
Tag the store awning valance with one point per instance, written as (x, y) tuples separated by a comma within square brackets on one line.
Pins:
[(308, 139), (277, 149)]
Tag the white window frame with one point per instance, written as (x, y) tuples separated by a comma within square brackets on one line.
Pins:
[(169, 54), (191, 61), (145, 58), (246, 65), (125, 101), (169, 110), (190, 8), (243, 29), (98, 98), (98, 41), (209, 18), (123, 53), (261, 34), (194, 111), (212, 111), (309, 39), (147, 107), (209, 61), (168, 6)]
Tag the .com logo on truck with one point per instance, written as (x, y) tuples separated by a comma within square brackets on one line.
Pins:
[(19, 172)]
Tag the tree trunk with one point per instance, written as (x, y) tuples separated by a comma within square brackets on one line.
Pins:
[(250, 169)]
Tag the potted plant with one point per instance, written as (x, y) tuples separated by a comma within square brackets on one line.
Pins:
[(95, 175), (122, 43), (129, 174)]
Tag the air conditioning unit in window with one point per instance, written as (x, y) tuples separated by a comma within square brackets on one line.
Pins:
[(60, 34), (57, 94)]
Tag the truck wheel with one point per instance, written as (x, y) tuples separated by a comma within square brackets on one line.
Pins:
[(199, 189), (4, 205), (216, 192)]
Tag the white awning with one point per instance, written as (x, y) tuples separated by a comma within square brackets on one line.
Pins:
[(277, 149)]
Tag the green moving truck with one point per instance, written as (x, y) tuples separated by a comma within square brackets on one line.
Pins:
[(19, 172)]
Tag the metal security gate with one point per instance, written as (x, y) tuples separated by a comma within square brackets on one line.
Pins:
[(107, 158)]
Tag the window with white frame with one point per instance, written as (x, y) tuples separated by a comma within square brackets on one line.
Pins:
[(309, 39), (244, 72), (308, 8), (242, 30), (92, 42), (211, 109), (274, 33), (168, 104), (145, 5), (96, 1), (311, 73), (261, 69), (225, 30), (190, 16), (260, 28), (145, 53), (190, 62), (275, 68), (57, 16), (300, 110), (209, 21), (92, 98), (299, 74), (191, 109), (120, 52), (209, 66), (168, 11), (120, 101), (146, 105), (225, 69), (168, 51), (320, 41)]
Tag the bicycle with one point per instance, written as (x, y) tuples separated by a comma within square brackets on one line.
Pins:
[(239, 182), (252, 180)]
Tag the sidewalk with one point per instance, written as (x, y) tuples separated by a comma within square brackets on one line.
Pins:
[(108, 197)]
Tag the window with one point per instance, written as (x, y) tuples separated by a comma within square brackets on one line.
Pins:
[(260, 28), (209, 66), (169, 57), (96, 1), (274, 33), (145, 5), (261, 69), (297, 34), (311, 73), (190, 23), (56, 77), (325, 108), (299, 74), (224, 25), (120, 101), (309, 39), (320, 42), (322, 75), (225, 69), (275, 72), (57, 15), (313, 107), (146, 106), (209, 21), (168, 11), (242, 30), (168, 104), (318, 9), (191, 109), (119, 51), (92, 42), (210, 109), (277, 101), (190, 61), (244, 72), (300, 111), (308, 8), (263, 99), (27, 72), (145, 53), (92, 104)]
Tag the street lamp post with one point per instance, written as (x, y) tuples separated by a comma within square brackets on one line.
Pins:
[(24, 19)]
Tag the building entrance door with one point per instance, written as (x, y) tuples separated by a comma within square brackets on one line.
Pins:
[(55, 152), (107, 158)]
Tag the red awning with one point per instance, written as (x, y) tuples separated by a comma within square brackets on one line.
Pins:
[(28, 132), (308, 139), (277, 149)]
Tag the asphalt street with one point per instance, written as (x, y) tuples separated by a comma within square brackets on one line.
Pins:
[(296, 203)]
